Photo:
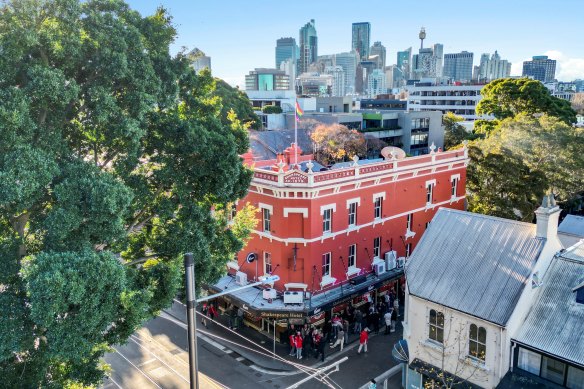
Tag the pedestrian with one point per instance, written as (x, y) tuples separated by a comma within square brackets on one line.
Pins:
[(292, 339), (231, 315), (387, 318), (346, 331), (321, 347), (375, 319), (358, 320), (316, 338), (340, 339), (393, 319), (239, 321), (363, 339), (307, 343), (205, 312), (212, 311), (298, 344)]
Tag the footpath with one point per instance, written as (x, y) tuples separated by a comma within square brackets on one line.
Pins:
[(255, 349)]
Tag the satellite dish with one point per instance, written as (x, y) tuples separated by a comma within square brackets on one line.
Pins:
[(393, 152)]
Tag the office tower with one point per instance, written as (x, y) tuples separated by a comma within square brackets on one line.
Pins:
[(199, 60), (361, 39), (378, 50), (286, 48), (428, 61), (404, 61), (493, 68), (308, 46), (262, 79), (339, 85), (348, 61), (289, 68), (438, 52), (458, 66), (314, 84), (540, 68), (376, 83)]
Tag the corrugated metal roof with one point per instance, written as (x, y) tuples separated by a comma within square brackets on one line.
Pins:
[(573, 225), (474, 263), (556, 322)]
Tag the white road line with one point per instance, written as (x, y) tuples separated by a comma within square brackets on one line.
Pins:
[(168, 317), (137, 368), (156, 357), (115, 383), (161, 345)]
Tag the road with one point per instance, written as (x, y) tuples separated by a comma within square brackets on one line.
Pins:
[(156, 357)]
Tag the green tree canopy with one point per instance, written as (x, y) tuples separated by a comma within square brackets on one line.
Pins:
[(518, 162), (506, 97), (113, 154), (271, 109), (454, 132), (236, 100)]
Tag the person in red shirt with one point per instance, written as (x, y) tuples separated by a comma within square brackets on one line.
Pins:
[(298, 345), (292, 338), (363, 339)]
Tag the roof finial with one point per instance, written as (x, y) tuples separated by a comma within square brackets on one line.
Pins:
[(552, 199), (545, 203)]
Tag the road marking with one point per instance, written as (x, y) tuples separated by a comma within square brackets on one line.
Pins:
[(239, 359), (171, 318), (137, 368), (146, 362), (156, 357)]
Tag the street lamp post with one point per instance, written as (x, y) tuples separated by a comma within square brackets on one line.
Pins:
[(191, 320)]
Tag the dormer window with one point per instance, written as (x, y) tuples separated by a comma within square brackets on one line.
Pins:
[(579, 290)]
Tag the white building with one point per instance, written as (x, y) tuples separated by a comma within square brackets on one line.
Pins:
[(376, 83), (314, 84), (470, 285), (339, 82), (427, 95)]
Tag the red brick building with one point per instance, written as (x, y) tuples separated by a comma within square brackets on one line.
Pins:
[(326, 233)]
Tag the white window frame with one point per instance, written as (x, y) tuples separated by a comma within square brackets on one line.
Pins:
[(477, 342), (352, 213), (327, 221), (430, 191), (352, 257), (430, 325), (376, 249), (408, 250), (378, 208), (454, 182), (266, 220), (409, 221), (326, 263), (267, 263)]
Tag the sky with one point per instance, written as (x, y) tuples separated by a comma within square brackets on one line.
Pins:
[(240, 35)]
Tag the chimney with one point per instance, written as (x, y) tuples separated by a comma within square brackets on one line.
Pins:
[(548, 216)]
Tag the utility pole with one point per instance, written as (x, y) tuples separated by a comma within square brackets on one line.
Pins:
[(191, 320)]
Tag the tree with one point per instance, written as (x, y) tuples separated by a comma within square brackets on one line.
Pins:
[(335, 142), (506, 97), (113, 154), (236, 100), (454, 133), (271, 109), (578, 103)]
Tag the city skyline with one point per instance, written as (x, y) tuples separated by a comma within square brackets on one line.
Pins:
[(516, 32)]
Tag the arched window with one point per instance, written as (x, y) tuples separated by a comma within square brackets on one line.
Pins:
[(436, 326), (477, 342)]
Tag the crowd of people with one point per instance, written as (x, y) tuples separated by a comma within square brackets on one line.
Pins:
[(308, 340)]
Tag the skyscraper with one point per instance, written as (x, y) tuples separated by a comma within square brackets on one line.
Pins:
[(428, 61), (338, 87), (493, 68), (458, 66), (361, 39), (308, 46), (404, 61), (286, 48), (376, 83), (540, 68), (378, 50), (438, 52), (199, 60)]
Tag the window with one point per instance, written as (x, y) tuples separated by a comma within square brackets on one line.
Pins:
[(327, 216), (436, 326), (267, 263), (377, 208), (553, 370), (477, 340), (575, 378), (454, 186), (529, 361), (376, 246), (429, 187), (427, 224), (408, 249), (352, 214), (409, 220), (266, 217), (326, 265), (352, 261)]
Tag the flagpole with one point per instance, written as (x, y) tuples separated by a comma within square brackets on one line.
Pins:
[(296, 118)]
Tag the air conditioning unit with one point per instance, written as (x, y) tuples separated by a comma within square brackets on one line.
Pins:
[(293, 297), (379, 266), (401, 262), (269, 294), (390, 260), (241, 278)]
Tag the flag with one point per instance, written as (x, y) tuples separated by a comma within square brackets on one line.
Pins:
[(299, 111)]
